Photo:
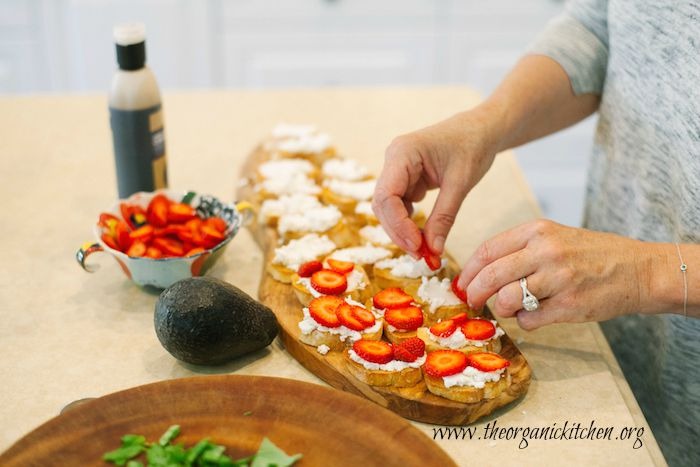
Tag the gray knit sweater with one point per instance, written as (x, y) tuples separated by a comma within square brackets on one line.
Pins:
[(643, 58)]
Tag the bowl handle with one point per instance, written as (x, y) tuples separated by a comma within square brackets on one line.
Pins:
[(84, 251), (247, 211)]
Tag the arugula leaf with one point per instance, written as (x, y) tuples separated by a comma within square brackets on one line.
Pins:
[(169, 435), (269, 455), (132, 446)]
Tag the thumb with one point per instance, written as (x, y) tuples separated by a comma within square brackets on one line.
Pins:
[(443, 215)]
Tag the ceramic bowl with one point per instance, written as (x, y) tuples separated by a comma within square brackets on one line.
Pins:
[(163, 272)]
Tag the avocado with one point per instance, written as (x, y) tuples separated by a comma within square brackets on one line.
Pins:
[(207, 321)]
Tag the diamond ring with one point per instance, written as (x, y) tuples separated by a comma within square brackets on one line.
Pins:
[(530, 302)]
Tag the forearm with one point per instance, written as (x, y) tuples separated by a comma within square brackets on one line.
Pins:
[(534, 100), (663, 280)]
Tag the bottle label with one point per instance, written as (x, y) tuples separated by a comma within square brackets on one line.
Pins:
[(139, 149)]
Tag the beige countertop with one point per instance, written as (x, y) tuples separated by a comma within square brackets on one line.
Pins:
[(66, 334)]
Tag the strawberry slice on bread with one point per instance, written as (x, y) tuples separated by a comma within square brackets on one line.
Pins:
[(379, 352), (329, 282), (307, 269), (442, 363), (407, 318), (409, 350), (477, 329), (443, 328), (354, 317), (487, 361), (391, 298), (323, 310), (342, 267)]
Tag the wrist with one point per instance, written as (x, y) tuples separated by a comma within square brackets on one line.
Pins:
[(662, 280)]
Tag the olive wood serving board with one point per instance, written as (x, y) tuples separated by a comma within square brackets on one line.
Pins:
[(415, 403)]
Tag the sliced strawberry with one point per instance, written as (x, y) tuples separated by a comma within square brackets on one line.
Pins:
[(403, 354), (431, 259), (143, 234), (153, 252), (408, 318), (122, 235), (364, 316), (110, 241), (193, 251), (157, 210), (308, 268), (133, 214), (108, 222), (478, 329), (460, 319), (443, 328), (460, 293), (487, 361), (347, 317), (169, 246), (374, 351), (392, 298), (322, 310), (137, 249), (343, 267), (329, 282), (414, 345), (445, 363), (180, 212), (217, 223), (210, 236)]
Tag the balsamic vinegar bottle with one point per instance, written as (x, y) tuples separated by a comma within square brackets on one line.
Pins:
[(136, 116)]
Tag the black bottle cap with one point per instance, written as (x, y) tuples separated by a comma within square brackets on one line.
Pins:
[(131, 57)]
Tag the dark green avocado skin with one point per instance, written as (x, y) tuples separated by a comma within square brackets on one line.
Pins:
[(206, 321)]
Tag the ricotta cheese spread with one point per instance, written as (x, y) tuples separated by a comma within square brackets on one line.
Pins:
[(405, 266), (360, 191), (297, 252), (288, 204), (318, 219), (361, 254), (376, 235), (348, 170), (437, 293), (470, 376)]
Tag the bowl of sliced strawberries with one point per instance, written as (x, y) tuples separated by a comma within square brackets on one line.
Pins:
[(161, 237)]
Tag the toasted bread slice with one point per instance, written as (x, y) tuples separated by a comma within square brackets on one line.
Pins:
[(398, 336), (344, 203), (383, 279), (280, 272), (399, 379), (467, 394), (445, 312), (491, 345)]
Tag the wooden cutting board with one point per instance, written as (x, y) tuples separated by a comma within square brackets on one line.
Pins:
[(415, 403), (237, 412)]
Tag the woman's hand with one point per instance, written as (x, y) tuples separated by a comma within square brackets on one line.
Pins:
[(452, 155), (578, 275)]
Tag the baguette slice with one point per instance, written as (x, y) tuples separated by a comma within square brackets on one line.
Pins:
[(341, 234), (467, 394), (399, 379), (346, 204), (398, 336), (492, 345), (280, 272)]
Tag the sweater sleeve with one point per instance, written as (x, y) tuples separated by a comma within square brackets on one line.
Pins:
[(578, 40)]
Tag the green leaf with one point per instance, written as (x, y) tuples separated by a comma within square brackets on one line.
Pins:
[(196, 451), (169, 435), (128, 440), (120, 455), (156, 456), (134, 464), (269, 455)]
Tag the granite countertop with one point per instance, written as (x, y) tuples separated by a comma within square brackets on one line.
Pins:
[(67, 334)]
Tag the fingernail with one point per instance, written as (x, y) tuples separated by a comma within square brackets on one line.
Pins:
[(438, 244)]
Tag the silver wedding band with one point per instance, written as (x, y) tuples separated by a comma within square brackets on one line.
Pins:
[(530, 302)]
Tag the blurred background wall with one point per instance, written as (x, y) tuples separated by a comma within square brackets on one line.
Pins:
[(66, 46)]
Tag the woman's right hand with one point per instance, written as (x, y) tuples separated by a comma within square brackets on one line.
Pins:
[(451, 155)]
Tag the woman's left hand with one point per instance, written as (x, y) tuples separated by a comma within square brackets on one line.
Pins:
[(578, 275)]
